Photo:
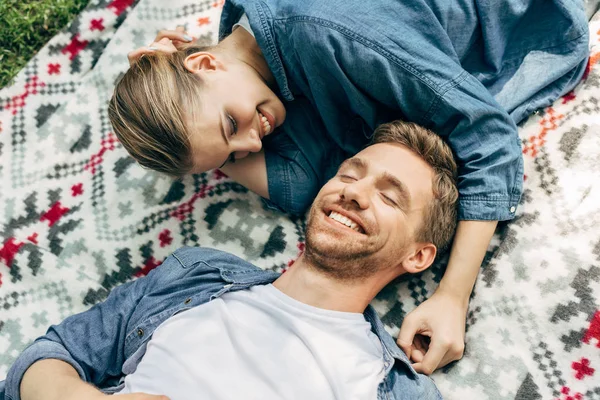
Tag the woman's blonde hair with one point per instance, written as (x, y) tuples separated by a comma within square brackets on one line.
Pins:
[(149, 108)]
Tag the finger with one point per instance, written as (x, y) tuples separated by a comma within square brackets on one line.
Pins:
[(165, 41), (420, 343), (432, 359), (173, 35), (180, 28), (408, 330), (417, 355), (162, 47), (135, 55)]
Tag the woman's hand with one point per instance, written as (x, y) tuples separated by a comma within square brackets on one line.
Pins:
[(165, 41), (433, 334)]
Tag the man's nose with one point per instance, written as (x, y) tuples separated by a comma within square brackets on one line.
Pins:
[(358, 193)]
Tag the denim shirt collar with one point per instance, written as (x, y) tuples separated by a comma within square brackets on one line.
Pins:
[(261, 23), (240, 279)]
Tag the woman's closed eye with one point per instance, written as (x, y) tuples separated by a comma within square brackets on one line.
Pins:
[(233, 125), (232, 131)]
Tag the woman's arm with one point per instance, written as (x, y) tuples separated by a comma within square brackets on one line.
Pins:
[(442, 317), (251, 172)]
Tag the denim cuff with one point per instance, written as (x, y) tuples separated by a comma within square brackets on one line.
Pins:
[(487, 208), (39, 350)]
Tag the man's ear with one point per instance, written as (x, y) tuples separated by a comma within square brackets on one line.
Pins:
[(201, 61), (420, 259)]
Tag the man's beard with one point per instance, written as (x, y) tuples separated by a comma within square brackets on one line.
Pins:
[(342, 258)]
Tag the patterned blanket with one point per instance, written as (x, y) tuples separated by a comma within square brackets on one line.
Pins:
[(78, 216)]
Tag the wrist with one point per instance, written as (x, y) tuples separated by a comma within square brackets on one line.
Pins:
[(457, 294)]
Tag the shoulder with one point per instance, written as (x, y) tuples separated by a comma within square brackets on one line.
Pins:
[(190, 257), (194, 262)]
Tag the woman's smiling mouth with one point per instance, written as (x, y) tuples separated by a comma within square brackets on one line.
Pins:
[(265, 125)]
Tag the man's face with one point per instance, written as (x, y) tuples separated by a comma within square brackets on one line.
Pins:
[(365, 217)]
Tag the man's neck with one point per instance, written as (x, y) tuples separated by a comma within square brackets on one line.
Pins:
[(311, 286), (241, 45)]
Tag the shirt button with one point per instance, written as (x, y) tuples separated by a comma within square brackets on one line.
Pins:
[(513, 209), (140, 332), (187, 301)]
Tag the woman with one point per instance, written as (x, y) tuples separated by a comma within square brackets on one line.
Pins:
[(334, 70)]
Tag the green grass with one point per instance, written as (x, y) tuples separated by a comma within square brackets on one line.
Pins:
[(26, 25)]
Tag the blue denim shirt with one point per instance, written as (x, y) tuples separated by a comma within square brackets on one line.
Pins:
[(468, 70), (109, 340)]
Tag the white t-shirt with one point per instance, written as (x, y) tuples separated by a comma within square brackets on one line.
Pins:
[(244, 23), (261, 344)]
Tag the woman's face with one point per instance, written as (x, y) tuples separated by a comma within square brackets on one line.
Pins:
[(238, 110)]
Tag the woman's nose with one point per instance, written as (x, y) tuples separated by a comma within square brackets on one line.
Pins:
[(252, 142), (246, 143)]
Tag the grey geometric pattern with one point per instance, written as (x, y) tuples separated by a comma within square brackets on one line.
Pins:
[(78, 217)]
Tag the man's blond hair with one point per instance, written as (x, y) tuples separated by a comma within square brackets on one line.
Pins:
[(440, 217)]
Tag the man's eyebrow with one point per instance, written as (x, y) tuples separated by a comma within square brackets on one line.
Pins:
[(398, 186), (355, 162)]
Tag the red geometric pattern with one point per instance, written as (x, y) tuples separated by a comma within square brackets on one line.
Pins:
[(183, 210), (119, 6), (31, 87), (569, 97), (582, 368), (75, 47), (593, 331), (77, 190), (53, 69), (33, 238), (97, 24), (96, 159), (149, 265), (9, 250), (203, 21), (566, 390), (548, 123), (165, 238), (54, 213)]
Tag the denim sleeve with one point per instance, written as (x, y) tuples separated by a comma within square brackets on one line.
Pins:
[(92, 342), (487, 147)]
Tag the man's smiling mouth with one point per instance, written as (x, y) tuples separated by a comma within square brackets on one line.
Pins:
[(345, 221)]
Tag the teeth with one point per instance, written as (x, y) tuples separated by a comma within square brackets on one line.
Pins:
[(344, 220), (265, 123)]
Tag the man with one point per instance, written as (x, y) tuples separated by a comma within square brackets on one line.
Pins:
[(253, 334)]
